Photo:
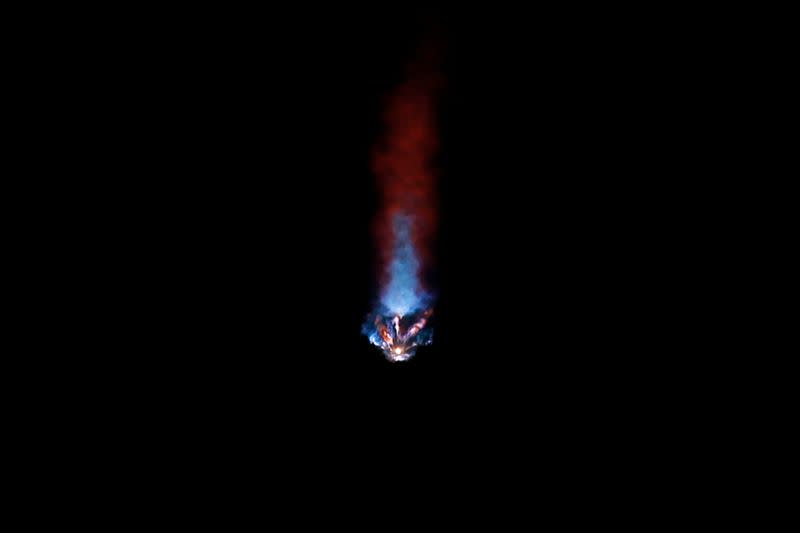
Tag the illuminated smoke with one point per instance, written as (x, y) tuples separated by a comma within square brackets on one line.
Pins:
[(406, 220), (403, 294)]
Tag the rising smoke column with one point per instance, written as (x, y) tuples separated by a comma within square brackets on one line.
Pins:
[(406, 222)]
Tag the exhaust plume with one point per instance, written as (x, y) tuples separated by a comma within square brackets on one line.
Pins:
[(406, 221)]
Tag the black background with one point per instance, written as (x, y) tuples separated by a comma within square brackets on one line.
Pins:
[(236, 148), (208, 260)]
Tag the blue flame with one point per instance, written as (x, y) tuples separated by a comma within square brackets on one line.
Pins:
[(400, 323), (403, 294)]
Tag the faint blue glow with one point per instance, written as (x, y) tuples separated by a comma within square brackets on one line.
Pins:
[(403, 293)]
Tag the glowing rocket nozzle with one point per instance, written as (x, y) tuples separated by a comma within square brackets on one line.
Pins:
[(398, 337)]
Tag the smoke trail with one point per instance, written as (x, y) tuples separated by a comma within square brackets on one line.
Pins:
[(402, 163), (403, 294)]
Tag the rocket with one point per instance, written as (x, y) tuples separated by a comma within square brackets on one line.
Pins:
[(398, 336), (405, 225)]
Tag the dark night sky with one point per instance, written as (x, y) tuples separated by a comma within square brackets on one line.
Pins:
[(247, 166), (212, 177)]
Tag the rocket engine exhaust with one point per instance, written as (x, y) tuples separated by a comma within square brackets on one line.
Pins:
[(397, 336), (406, 221)]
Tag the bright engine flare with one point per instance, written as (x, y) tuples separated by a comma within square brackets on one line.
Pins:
[(406, 221), (398, 336)]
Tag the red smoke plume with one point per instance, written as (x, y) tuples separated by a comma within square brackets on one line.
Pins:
[(402, 161)]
